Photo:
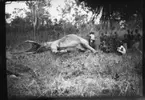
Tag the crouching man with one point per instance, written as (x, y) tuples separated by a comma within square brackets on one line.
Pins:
[(122, 49)]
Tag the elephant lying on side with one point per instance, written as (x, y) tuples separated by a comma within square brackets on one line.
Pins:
[(63, 44)]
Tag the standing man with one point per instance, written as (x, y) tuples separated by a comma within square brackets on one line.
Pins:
[(92, 39)]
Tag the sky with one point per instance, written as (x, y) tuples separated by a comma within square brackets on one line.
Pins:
[(55, 4), (9, 8)]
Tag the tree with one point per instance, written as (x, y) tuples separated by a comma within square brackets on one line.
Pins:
[(37, 11), (7, 16), (18, 24), (79, 14), (124, 10)]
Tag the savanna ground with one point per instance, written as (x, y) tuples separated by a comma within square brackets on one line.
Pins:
[(71, 74)]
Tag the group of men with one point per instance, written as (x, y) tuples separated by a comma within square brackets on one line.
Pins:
[(121, 49)]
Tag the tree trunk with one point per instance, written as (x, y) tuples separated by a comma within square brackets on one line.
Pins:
[(34, 32), (34, 21)]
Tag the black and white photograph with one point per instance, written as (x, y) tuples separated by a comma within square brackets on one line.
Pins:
[(74, 48)]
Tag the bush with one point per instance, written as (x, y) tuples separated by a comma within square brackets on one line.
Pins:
[(109, 43)]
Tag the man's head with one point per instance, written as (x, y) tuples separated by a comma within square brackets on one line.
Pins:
[(91, 32)]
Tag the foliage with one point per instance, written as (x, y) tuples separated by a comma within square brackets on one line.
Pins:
[(7, 15), (109, 43), (75, 17), (39, 15)]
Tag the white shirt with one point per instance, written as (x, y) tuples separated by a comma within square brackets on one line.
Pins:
[(121, 49), (92, 37)]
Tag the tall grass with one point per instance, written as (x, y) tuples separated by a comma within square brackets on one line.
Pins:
[(78, 74), (72, 74)]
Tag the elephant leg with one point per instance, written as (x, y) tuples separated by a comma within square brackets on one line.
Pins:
[(89, 47)]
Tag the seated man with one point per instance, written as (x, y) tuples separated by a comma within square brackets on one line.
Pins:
[(121, 49), (92, 39)]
